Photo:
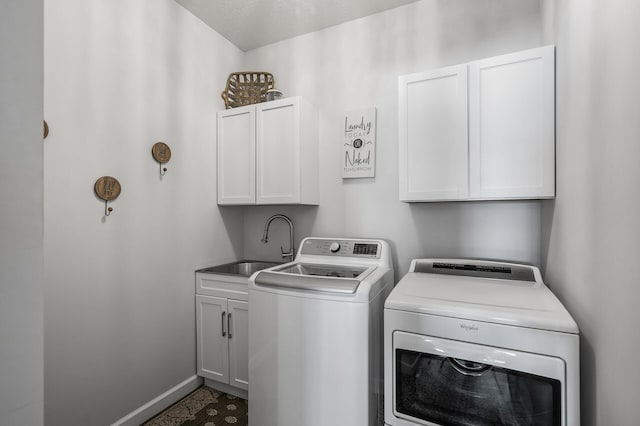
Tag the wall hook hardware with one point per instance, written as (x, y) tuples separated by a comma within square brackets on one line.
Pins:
[(162, 154), (107, 188)]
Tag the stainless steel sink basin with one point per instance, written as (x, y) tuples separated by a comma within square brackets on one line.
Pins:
[(242, 267)]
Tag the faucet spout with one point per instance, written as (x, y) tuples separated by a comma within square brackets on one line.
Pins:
[(265, 236)]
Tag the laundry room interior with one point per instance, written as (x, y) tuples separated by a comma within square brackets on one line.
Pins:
[(98, 313)]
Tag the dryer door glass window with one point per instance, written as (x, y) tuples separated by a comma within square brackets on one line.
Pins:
[(452, 391)]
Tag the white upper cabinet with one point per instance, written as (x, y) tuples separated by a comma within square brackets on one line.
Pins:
[(479, 131), (433, 135), (237, 156), (268, 154), (287, 152), (512, 125)]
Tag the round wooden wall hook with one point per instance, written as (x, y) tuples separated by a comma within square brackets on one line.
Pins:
[(107, 188), (162, 154)]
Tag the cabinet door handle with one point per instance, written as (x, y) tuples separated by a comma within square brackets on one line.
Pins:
[(224, 333), (229, 324)]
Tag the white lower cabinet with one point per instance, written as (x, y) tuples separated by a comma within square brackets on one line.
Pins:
[(222, 326), (238, 326)]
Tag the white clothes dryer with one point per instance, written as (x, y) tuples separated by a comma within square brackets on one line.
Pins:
[(316, 335), (472, 342)]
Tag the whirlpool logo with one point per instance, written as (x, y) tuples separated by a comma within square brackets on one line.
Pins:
[(468, 327)]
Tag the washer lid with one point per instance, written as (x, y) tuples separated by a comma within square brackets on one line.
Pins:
[(314, 277), (470, 289), (320, 270)]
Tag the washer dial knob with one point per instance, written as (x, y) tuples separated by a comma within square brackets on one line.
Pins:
[(334, 247)]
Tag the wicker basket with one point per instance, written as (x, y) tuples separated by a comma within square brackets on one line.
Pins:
[(246, 88)]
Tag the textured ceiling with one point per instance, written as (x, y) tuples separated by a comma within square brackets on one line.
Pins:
[(253, 23)]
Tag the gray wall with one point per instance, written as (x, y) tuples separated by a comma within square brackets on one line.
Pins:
[(119, 320), (21, 189), (121, 75), (356, 65), (591, 235)]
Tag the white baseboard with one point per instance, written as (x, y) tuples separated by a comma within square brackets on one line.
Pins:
[(156, 405)]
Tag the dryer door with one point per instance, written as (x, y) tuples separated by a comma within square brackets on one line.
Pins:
[(447, 382)]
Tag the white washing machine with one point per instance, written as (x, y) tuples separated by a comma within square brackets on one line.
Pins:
[(471, 342), (316, 335)]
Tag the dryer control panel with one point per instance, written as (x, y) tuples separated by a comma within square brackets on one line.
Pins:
[(341, 247)]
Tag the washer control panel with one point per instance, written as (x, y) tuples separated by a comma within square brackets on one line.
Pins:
[(351, 248)]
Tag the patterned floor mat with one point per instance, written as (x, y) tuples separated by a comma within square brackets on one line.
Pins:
[(204, 407)]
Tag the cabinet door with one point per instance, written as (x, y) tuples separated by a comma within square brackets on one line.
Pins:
[(433, 135), (236, 156), (212, 339), (278, 152), (512, 125), (238, 344)]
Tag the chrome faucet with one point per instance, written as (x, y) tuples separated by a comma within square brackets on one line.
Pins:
[(265, 236)]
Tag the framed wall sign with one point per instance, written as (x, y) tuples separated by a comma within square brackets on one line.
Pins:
[(359, 144)]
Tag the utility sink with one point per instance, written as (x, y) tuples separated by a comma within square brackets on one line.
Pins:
[(244, 268)]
